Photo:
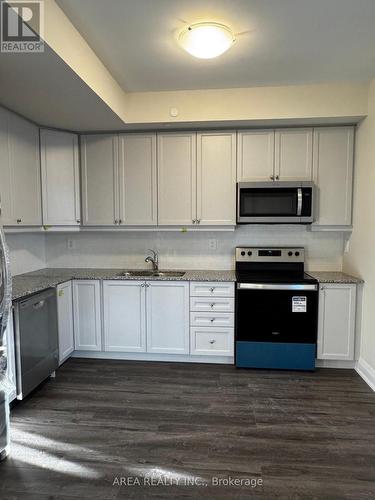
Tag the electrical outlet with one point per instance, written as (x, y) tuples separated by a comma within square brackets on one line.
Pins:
[(71, 244), (212, 244)]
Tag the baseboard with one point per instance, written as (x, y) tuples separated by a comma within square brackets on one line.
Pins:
[(367, 372), (335, 363), (137, 356)]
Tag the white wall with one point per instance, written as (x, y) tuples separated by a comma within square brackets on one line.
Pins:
[(27, 252), (188, 250), (361, 258)]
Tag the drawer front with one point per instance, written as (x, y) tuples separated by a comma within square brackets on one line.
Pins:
[(211, 289), (211, 304), (214, 320), (212, 341)]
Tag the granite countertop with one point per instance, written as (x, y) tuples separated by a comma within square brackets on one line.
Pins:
[(36, 281), (334, 277)]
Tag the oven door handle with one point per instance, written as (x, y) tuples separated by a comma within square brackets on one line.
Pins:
[(275, 286), (299, 202)]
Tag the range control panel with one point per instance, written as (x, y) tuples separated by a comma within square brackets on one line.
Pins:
[(270, 254)]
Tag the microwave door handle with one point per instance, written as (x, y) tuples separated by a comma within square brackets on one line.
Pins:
[(299, 202)]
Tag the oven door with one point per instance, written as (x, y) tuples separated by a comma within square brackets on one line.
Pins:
[(274, 203), (279, 313)]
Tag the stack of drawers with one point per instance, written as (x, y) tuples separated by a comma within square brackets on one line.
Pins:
[(212, 318)]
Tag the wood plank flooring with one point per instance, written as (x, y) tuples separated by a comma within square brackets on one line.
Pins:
[(302, 435)]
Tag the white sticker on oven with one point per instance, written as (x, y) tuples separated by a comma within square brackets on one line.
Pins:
[(299, 304)]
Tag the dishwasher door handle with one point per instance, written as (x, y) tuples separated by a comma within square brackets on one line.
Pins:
[(39, 305)]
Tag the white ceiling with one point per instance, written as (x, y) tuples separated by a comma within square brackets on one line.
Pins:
[(286, 41)]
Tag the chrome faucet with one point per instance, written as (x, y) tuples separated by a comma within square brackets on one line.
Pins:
[(154, 259)]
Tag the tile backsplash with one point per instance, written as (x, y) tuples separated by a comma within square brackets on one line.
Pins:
[(190, 250)]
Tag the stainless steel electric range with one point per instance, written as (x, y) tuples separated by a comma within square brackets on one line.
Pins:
[(276, 309)]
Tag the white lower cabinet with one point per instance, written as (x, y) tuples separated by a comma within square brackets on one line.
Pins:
[(167, 312), (211, 318), (87, 315), (211, 341), (336, 330), (11, 358), (65, 320), (150, 316), (124, 316)]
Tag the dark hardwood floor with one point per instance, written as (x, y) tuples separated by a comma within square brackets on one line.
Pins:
[(99, 423)]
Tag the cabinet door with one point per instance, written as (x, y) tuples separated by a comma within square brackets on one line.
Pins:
[(216, 178), (25, 165), (60, 178), (6, 184), (336, 332), (255, 155), (293, 154), (99, 180), (65, 320), (333, 175), (138, 183), (87, 315), (124, 318), (177, 179), (11, 357), (167, 313)]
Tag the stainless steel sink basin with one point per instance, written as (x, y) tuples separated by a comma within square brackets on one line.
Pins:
[(153, 274)]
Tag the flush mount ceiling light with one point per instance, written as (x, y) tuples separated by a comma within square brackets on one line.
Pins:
[(206, 40)]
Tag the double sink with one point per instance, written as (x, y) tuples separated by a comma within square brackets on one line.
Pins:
[(153, 274)]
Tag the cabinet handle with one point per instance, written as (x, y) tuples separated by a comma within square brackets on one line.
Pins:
[(212, 305), (212, 320), (193, 221), (116, 221), (78, 221), (120, 221), (19, 220), (272, 177), (198, 221), (277, 177), (212, 341), (212, 289)]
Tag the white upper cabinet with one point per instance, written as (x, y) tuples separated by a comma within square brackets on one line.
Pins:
[(216, 178), (255, 155), (138, 179), (293, 154), (336, 331), (124, 316), (333, 175), (6, 184), (20, 171), (60, 178), (177, 178), (100, 196), (167, 309)]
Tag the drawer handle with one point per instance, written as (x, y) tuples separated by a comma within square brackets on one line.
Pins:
[(212, 320), (212, 305), (212, 341), (212, 289)]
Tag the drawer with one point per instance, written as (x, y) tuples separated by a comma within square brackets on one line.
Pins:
[(211, 289), (212, 341), (211, 304), (214, 320)]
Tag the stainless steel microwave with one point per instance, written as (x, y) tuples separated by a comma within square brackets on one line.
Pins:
[(275, 202)]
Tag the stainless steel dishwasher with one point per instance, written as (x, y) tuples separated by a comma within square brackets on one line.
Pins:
[(36, 340)]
